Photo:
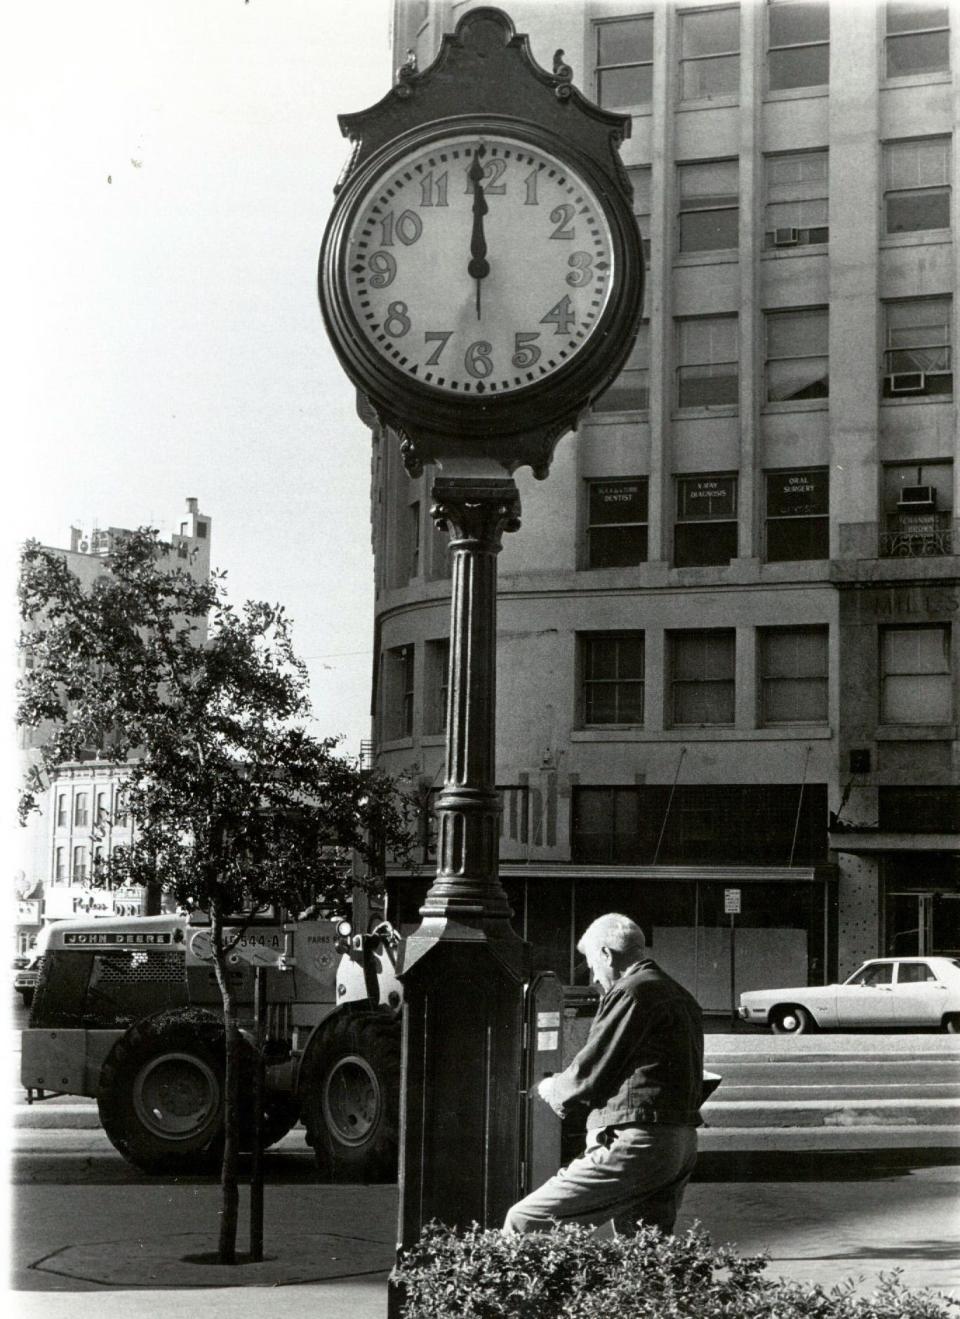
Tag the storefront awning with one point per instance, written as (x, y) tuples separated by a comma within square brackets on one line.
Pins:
[(875, 840)]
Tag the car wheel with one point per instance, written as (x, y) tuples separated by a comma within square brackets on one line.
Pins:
[(791, 1020), (951, 1023), (27, 996)]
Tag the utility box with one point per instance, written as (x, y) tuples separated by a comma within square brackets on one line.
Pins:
[(558, 1020)]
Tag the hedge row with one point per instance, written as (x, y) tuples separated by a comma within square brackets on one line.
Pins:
[(571, 1274)]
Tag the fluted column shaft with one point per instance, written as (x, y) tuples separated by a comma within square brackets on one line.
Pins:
[(467, 884)]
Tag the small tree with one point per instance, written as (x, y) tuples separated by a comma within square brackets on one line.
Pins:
[(236, 806)]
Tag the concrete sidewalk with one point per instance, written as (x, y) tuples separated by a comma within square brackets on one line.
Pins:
[(141, 1250)]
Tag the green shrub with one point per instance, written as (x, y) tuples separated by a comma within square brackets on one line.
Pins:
[(571, 1274)]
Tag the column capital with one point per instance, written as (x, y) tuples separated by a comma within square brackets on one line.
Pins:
[(478, 509)]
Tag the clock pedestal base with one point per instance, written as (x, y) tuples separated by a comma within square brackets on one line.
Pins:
[(464, 968)]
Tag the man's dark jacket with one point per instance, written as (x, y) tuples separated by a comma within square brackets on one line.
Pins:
[(643, 1058)]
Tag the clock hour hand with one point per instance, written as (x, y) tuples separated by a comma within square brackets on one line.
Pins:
[(478, 267)]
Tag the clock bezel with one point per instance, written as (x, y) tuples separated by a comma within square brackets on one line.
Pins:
[(409, 403)]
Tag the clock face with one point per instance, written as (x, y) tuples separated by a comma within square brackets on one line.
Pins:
[(479, 265)]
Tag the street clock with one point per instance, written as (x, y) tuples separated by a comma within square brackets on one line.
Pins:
[(481, 275)]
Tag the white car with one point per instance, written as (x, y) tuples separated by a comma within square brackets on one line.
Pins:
[(889, 991)]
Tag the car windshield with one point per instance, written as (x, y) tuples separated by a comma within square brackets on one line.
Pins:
[(874, 973)]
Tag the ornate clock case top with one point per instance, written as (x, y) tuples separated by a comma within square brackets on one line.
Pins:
[(481, 275)]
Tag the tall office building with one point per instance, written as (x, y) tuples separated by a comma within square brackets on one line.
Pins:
[(727, 639)]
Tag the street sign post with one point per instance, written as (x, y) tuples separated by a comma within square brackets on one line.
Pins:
[(731, 906)]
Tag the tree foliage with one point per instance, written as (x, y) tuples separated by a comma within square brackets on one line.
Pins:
[(236, 803)]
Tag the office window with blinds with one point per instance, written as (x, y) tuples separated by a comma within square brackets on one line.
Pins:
[(796, 213), (709, 217)]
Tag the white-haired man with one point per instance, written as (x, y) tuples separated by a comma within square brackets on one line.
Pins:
[(639, 1076)]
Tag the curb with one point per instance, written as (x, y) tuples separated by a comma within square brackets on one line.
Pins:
[(738, 1113)]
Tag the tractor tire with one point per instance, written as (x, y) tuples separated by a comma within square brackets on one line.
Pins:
[(161, 1092), (350, 1096), (281, 1113)]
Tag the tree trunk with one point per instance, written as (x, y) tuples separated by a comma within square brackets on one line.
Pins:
[(229, 1181)]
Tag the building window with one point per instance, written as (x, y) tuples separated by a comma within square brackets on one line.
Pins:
[(616, 523), (625, 62), (709, 54), (916, 178), (709, 206), (793, 675), (79, 865), (60, 865), (798, 53), (62, 815), (702, 677), (640, 176), (121, 814), (613, 678), (81, 810), (919, 810), (796, 203), (415, 539), (917, 38), (703, 824), (437, 659), (916, 359), (917, 510), (397, 708), (630, 391), (706, 525), (798, 523), (707, 369), (915, 675), (797, 363), (607, 826), (102, 815)]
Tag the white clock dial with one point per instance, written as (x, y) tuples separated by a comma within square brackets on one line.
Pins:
[(479, 265)]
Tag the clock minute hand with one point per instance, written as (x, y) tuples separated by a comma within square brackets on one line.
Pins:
[(478, 267)]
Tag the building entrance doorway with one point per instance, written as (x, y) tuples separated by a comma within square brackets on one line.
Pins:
[(922, 923)]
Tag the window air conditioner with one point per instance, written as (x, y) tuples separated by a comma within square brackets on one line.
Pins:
[(917, 496), (907, 382), (786, 237)]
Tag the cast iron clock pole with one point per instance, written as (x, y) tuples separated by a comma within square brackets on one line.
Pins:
[(481, 280)]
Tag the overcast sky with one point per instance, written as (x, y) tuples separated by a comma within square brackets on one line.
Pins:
[(173, 169)]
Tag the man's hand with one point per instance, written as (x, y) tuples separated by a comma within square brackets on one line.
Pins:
[(545, 1089)]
